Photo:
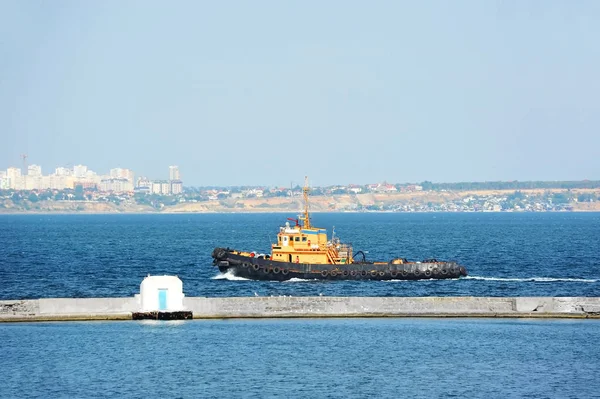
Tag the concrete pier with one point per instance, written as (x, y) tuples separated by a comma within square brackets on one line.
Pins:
[(64, 309)]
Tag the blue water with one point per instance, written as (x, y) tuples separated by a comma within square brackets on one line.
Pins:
[(108, 255), (506, 254), (338, 358)]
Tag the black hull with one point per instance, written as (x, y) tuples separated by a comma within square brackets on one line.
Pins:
[(266, 269)]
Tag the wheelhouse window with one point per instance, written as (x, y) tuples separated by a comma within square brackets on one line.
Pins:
[(303, 239), (297, 239)]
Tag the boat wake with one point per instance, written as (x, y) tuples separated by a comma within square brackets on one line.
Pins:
[(232, 277), (533, 279), (229, 276)]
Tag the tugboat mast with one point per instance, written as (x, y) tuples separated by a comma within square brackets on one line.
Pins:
[(305, 194)]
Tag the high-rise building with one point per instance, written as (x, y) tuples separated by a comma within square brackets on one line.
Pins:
[(4, 181), (15, 179), (176, 187), (34, 170), (80, 170), (120, 173), (174, 173), (61, 171)]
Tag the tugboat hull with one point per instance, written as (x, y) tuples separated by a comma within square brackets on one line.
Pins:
[(260, 268)]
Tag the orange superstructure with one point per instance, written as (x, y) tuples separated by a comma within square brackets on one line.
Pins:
[(302, 243)]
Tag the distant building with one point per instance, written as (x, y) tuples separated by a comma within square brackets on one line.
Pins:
[(80, 170), (15, 179), (34, 170), (86, 184), (116, 185), (174, 173), (165, 187), (176, 186), (120, 173), (161, 187), (61, 171), (33, 182), (156, 186), (144, 182), (143, 190), (58, 182), (253, 192), (354, 188), (4, 181)]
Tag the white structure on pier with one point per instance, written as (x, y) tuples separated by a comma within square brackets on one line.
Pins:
[(161, 293)]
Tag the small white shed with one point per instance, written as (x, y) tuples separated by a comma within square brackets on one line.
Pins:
[(161, 293)]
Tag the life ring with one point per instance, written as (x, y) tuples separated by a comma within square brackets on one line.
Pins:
[(333, 273), (255, 267), (324, 273), (373, 273), (363, 273), (276, 270), (285, 272), (427, 273)]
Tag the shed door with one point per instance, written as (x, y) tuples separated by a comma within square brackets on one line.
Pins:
[(162, 299)]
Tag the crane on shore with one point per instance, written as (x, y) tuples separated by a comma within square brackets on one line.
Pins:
[(24, 158)]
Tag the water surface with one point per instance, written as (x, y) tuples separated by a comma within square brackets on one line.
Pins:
[(339, 358), (506, 254)]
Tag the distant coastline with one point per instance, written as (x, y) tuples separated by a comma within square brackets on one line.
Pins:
[(534, 200)]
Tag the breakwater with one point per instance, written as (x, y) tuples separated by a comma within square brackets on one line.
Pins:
[(67, 309)]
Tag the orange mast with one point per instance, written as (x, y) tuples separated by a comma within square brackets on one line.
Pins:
[(305, 193)]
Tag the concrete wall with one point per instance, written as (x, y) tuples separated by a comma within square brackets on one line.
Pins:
[(392, 307), (268, 307), (91, 306)]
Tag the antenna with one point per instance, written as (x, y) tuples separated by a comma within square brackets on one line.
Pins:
[(24, 157)]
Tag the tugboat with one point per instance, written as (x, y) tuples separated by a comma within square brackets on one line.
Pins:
[(304, 252)]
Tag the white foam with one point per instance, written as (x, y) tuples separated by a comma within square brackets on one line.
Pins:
[(534, 279), (298, 280), (229, 276), (419, 280)]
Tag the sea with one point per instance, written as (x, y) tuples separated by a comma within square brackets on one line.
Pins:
[(506, 254)]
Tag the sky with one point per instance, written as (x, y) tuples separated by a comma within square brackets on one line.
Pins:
[(264, 93)]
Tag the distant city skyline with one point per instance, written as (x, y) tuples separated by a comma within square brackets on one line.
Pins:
[(119, 180), (173, 173), (268, 92)]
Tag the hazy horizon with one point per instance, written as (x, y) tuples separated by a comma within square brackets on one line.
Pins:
[(264, 93)]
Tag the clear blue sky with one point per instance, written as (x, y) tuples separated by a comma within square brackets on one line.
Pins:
[(267, 92)]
